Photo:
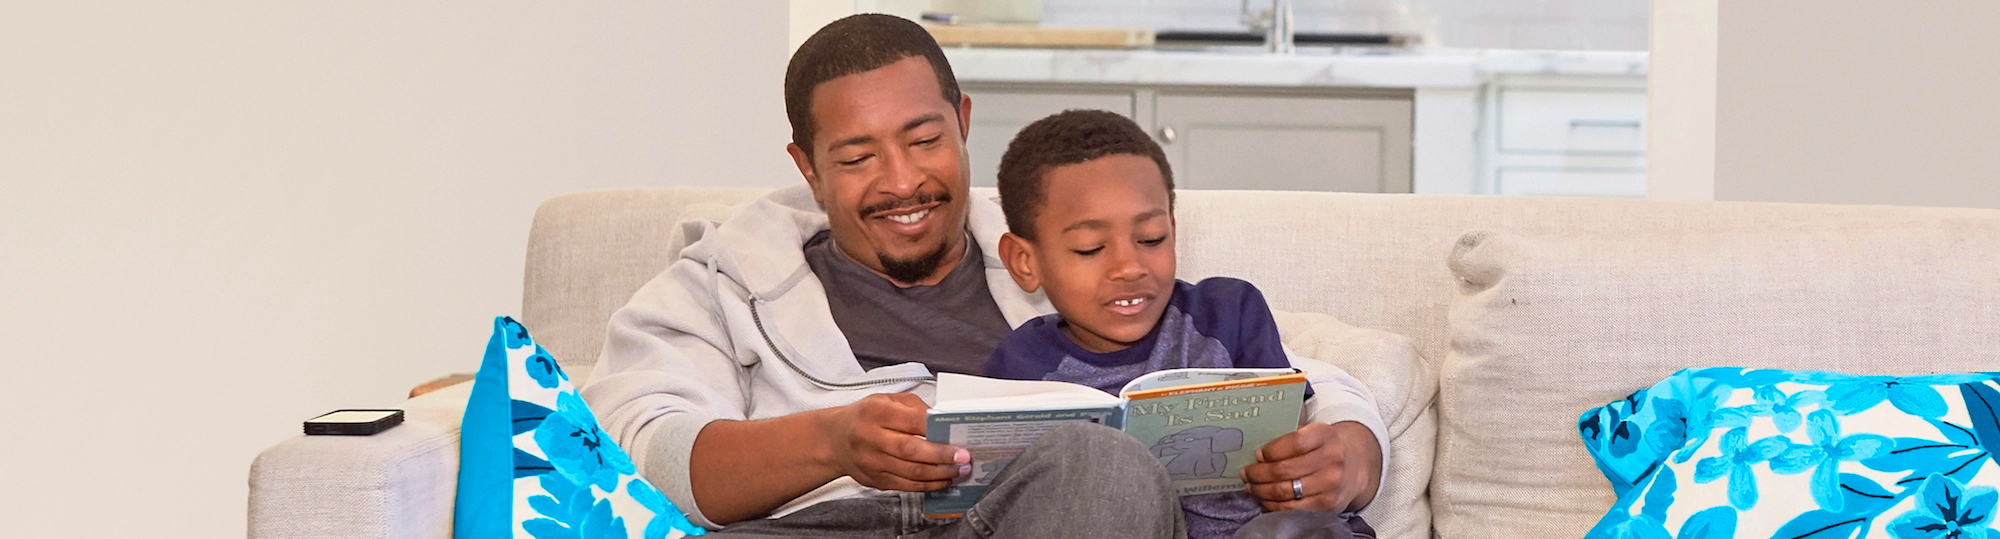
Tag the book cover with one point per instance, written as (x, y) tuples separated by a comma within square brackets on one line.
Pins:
[(1204, 434), (993, 439)]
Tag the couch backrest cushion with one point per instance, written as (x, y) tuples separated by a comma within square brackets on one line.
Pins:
[(1545, 328), (587, 254), (1374, 261)]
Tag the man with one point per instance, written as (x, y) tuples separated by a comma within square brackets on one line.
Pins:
[(773, 379)]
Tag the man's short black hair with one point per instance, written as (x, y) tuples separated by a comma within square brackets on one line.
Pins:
[(856, 44), (1067, 138)]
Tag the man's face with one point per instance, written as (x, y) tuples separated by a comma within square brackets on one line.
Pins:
[(1105, 253), (889, 166)]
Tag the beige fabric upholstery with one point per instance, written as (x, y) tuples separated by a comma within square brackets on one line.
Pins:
[(1545, 328), (393, 485), (588, 252), (1405, 386), (1372, 261)]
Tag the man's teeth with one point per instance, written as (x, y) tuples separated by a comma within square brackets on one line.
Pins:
[(1129, 302), (910, 218)]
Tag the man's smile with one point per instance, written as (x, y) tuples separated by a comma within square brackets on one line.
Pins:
[(911, 220)]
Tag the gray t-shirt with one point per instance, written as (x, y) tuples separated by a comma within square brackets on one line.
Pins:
[(952, 326)]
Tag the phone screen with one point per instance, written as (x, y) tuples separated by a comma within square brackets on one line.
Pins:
[(352, 416)]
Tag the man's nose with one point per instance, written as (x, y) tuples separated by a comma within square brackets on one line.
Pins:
[(901, 176)]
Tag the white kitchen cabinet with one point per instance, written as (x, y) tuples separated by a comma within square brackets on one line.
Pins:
[(1222, 137), (1570, 182), (1565, 136)]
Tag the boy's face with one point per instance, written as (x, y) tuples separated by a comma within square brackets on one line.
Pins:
[(1105, 253)]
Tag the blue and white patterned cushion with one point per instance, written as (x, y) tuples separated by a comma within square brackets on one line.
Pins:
[(533, 462), (1730, 452)]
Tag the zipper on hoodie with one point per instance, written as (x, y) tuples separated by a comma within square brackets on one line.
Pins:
[(773, 345)]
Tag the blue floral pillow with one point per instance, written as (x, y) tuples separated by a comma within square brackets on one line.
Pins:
[(533, 462), (1729, 452)]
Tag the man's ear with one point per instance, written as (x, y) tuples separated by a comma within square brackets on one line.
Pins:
[(964, 116), (1019, 256), (805, 165)]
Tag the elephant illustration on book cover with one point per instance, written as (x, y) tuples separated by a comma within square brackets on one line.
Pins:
[(1199, 452)]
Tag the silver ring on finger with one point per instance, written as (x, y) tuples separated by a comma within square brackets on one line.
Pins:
[(1298, 489)]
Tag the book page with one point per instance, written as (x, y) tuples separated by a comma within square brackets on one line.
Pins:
[(1182, 377), (963, 393)]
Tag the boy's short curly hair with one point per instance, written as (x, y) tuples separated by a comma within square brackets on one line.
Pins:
[(1067, 138)]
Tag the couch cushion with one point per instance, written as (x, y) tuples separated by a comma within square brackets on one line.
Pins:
[(587, 253), (1404, 385), (1544, 328)]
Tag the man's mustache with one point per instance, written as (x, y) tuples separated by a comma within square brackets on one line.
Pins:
[(918, 200)]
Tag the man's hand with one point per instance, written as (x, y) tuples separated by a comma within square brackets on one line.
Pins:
[(1338, 467), (879, 441)]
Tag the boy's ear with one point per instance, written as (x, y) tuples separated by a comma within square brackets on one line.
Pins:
[(1019, 256)]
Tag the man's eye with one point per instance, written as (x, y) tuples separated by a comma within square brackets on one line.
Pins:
[(854, 161), (928, 142), (1154, 241), (1087, 252)]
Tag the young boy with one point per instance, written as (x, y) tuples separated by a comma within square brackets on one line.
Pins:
[(1088, 198)]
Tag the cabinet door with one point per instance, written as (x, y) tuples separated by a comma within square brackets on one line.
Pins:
[(1624, 183), (1303, 143), (998, 114)]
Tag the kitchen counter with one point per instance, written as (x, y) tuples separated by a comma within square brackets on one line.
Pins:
[(1311, 67), (1446, 84)]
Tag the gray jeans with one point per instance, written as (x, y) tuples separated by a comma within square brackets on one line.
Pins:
[(1078, 480)]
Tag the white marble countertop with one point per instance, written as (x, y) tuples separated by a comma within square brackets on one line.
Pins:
[(1362, 68)]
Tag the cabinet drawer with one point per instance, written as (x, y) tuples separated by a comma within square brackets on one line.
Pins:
[(1533, 120), (1567, 182)]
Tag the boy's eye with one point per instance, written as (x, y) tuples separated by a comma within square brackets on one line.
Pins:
[(1154, 241), (1087, 252)]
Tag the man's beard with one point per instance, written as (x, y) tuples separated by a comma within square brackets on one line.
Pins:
[(911, 270)]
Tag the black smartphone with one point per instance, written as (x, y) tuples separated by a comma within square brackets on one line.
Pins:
[(354, 422)]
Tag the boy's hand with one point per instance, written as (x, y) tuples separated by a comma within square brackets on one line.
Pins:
[(879, 441), (1338, 467)]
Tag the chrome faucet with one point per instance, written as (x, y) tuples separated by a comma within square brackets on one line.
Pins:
[(1276, 23)]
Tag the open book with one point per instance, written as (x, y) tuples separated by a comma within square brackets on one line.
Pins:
[(1203, 424)]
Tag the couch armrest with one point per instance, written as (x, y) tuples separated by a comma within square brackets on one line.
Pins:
[(399, 483)]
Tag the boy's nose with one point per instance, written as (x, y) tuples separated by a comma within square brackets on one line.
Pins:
[(1125, 266)]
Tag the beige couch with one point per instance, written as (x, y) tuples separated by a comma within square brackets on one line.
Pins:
[(1528, 310)]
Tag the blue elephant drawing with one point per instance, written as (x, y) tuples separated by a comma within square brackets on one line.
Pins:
[(1199, 452)]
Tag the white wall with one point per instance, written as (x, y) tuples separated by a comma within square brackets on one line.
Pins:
[(1680, 101), (1875, 102), (220, 218)]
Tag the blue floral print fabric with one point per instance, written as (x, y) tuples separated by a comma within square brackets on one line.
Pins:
[(534, 464), (1730, 452)]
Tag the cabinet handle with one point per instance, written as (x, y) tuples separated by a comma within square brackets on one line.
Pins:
[(1167, 134), (1634, 124)]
